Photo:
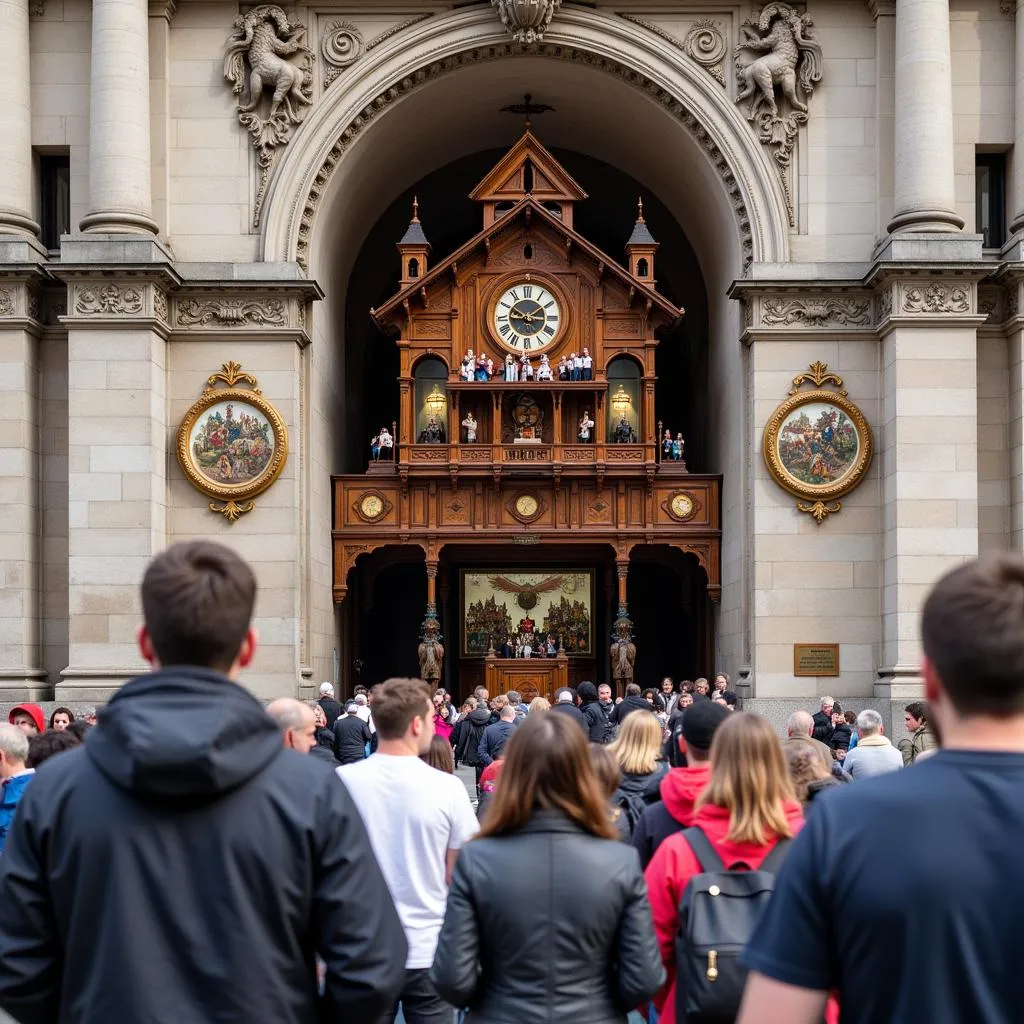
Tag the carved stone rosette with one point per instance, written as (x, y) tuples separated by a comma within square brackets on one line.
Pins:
[(706, 45), (271, 73), (526, 20)]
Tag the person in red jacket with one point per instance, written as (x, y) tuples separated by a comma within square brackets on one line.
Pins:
[(746, 808)]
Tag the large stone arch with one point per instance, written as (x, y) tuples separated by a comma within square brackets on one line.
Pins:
[(410, 62)]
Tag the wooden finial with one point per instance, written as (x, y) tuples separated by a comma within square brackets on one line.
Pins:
[(639, 209), (415, 210)]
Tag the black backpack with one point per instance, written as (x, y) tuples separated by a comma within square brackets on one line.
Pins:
[(718, 912), (631, 806)]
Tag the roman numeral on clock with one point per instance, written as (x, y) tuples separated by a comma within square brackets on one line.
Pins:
[(549, 330), (506, 330), (527, 291)]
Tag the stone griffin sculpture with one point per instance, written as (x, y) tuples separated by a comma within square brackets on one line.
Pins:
[(431, 652), (623, 651), (792, 61), (260, 56)]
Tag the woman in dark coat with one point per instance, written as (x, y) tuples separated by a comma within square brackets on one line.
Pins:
[(596, 958)]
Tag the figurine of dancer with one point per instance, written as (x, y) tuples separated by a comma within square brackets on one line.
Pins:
[(574, 366), (470, 424), (666, 445), (585, 431), (587, 366), (511, 368), (481, 367), (678, 447), (383, 445), (526, 368), (468, 367), (544, 370), (563, 368)]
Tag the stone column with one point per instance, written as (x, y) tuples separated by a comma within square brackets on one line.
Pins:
[(929, 449), (1016, 203), (120, 184), (1015, 417), (924, 196), (884, 13), (16, 123)]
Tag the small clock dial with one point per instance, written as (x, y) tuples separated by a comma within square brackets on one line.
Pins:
[(526, 505), (372, 506), (527, 318), (682, 506)]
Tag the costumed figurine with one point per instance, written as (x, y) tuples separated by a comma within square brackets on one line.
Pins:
[(666, 445), (470, 424), (481, 367), (623, 652), (511, 368), (563, 368), (430, 652), (544, 370), (586, 366), (432, 433), (551, 646), (623, 432), (468, 367), (383, 445), (574, 366), (585, 431), (525, 368), (490, 368), (678, 447)]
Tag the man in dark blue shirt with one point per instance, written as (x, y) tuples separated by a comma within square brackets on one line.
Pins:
[(903, 893), (496, 736)]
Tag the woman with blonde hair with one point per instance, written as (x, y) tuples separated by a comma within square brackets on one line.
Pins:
[(747, 807), (637, 749), (539, 704), (511, 955), (807, 772)]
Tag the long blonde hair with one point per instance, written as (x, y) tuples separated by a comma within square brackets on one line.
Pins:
[(750, 779), (638, 744)]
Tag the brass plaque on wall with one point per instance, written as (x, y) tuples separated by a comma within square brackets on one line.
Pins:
[(815, 659)]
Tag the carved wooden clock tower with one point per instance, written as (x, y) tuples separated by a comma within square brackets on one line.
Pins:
[(527, 373)]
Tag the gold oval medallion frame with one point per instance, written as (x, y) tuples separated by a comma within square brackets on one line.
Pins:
[(822, 496), (235, 499)]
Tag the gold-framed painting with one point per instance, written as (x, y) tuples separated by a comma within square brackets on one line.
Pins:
[(499, 605), (232, 442), (817, 444)]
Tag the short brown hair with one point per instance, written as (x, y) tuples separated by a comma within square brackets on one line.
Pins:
[(397, 703), (972, 631), (197, 600), (547, 767), (499, 702), (632, 689)]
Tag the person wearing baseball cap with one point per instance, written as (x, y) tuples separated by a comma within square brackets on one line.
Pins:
[(29, 718), (681, 786)]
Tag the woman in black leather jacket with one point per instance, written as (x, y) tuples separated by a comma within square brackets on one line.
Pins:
[(541, 948)]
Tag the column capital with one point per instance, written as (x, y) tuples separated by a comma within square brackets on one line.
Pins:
[(882, 8)]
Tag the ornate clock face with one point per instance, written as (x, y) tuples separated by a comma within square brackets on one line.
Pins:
[(526, 505), (682, 506), (527, 318), (371, 506)]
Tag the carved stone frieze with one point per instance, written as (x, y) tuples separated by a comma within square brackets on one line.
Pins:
[(990, 303), (706, 45), (265, 53), (311, 201), (791, 61), (884, 303), (160, 305), (341, 46), (937, 297), (822, 311), (526, 20), (8, 306), (107, 300), (231, 313)]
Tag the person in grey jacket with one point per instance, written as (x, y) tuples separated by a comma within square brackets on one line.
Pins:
[(596, 958), (874, 753)]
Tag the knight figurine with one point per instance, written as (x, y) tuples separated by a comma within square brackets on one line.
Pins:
[(431, 652), (623, 432), (623, 652)]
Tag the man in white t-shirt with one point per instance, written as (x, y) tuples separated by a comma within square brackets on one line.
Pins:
[(418, 819)]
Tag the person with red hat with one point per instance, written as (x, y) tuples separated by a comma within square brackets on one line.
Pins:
[(28, 717)]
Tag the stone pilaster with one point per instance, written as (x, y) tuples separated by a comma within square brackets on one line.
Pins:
[(924, 195), (884, 13), (16, 123), (1015, 412), (929, 450), (21, 674), (120, 185), (117, 472), (1016, 198)]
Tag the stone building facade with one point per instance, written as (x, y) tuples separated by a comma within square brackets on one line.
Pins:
[(190, 184)]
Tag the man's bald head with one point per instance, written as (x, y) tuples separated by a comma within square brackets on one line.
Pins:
[(296, 722), (800, 724)]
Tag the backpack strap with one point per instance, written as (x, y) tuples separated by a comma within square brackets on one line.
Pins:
[(774, 860), (706, 854)]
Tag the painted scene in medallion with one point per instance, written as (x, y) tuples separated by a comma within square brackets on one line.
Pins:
[(499, 606), (818, 443), (231, 443)]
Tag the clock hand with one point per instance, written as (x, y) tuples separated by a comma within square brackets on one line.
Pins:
[(514, 314)]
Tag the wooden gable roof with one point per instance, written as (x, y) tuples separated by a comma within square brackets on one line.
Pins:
[(551, 182), (523, 211)]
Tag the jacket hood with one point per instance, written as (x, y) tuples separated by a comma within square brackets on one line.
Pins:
[(479, 716), (646, 785), (681, 787), (587, 692), (34, 710), (182, 734), (715, 822)]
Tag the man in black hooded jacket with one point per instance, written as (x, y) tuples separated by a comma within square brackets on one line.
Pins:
[(182, 865), (591, 708)]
